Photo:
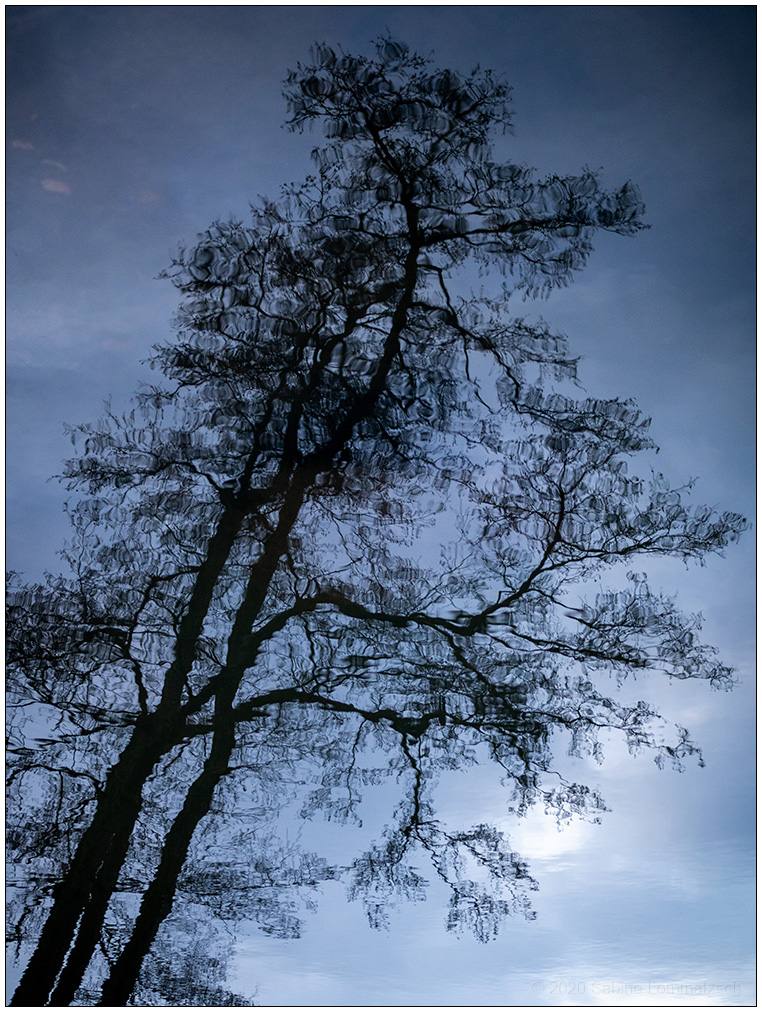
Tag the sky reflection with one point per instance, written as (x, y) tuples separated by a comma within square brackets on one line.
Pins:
[(133, 127)]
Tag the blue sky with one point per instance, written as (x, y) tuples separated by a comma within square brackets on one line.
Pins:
[(129, 129)]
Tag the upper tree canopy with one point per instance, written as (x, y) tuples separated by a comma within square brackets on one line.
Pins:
[(362, 525)]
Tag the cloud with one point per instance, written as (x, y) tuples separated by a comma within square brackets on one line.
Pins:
[(55, 186), (22, 145)]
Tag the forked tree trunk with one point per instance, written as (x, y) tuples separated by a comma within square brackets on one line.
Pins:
[(101, 849), (158, 898), (81, 898)]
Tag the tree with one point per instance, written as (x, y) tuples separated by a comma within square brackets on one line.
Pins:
[(339, 544)]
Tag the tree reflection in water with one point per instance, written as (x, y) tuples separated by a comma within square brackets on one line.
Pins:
[(256, 626)]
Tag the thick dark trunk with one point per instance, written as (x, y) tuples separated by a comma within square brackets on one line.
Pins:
[(101, 848), (82, 896), (101, 891), (158, 898)]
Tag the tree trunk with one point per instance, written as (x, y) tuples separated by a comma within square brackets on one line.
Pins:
[(82, 896), (102, 847), (158, 898)]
